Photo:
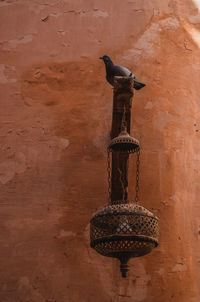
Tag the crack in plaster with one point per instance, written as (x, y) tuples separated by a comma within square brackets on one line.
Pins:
[(95, 13)]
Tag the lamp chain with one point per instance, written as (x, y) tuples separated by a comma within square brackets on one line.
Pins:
[(137, 176), (109, 174)]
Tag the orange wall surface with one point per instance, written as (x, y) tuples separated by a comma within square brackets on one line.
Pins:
[(56, 111)]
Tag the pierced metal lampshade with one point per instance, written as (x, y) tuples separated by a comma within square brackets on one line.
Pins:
[(124, 142), (124, 230)]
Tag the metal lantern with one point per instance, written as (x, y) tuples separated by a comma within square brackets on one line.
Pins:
[(124, 142), (123, 229)]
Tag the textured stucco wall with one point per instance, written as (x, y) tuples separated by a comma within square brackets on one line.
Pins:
[(55, 120)]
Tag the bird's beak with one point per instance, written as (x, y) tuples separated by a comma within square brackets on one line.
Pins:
[(101, 58)]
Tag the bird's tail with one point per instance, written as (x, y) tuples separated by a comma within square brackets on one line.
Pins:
[(137, 84)]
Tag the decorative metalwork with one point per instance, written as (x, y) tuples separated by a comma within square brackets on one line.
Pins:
[(123, 229), (124, 142)]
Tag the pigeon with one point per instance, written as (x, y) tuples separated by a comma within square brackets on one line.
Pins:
[(114, 70)]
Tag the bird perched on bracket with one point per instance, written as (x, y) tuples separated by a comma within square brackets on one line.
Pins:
[(114, 70)]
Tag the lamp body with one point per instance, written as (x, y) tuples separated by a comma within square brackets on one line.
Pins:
[(124, 230)]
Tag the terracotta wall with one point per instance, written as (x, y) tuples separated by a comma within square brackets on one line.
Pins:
[(56, 110)]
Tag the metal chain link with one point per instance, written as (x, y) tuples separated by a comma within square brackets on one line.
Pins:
[(109, 174), (122, 183), (137, 176)]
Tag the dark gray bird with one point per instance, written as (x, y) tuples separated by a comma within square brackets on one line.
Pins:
[(114, 70)]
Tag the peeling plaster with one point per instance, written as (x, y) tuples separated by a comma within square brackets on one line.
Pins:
[(10, 167), (4, 79), (95, 13), (56, 14), (197, 3), (170, 23), (11, 44), (161, 271), (193, 32), (148, 39), (23, 40), (149, 43), (7, 3), (174, 198), (64, 142), (180, 267), (149, 105), (100, 13), (64, 234), (163, 120), (195, 19)]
